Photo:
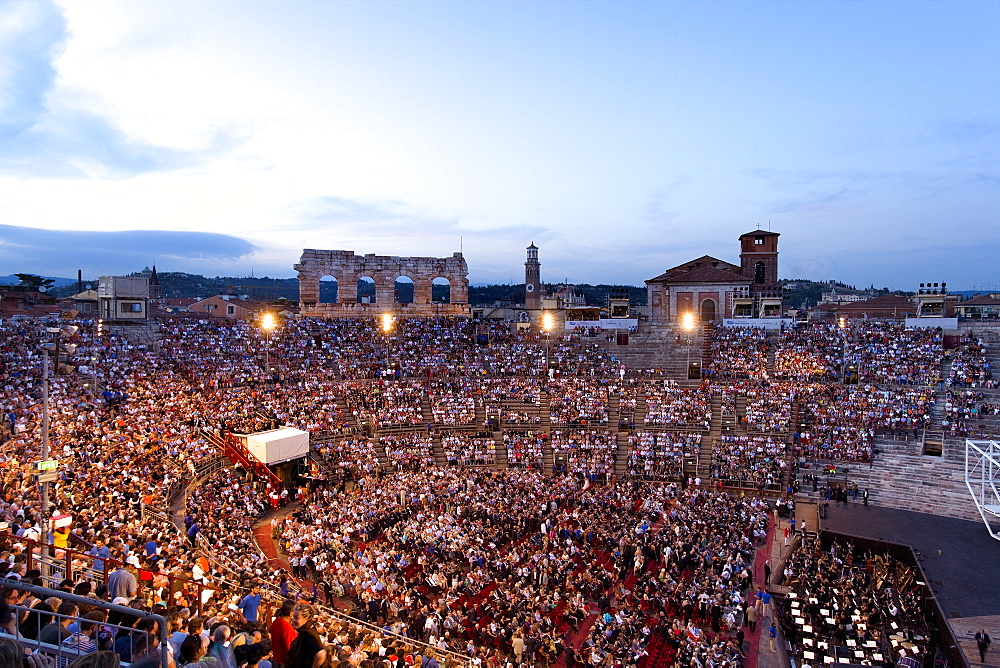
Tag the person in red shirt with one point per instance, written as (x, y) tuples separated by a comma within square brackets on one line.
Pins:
[(282, 634)]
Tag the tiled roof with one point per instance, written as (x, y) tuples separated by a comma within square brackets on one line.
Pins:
[(981, 300), (709, 275)]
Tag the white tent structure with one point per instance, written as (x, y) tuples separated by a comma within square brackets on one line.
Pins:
[(278, 445), (982, 477)]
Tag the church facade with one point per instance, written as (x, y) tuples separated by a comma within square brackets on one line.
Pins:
[(712, 290)]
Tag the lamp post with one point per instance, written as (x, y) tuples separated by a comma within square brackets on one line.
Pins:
[(267, 323), (387, 330), (687, 324), (842, 323), (55, 334), (547, 322)]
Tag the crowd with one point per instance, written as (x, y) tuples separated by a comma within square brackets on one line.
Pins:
[(758, 461), (670, 406), (132, 428), (660, 456), (969, 366), (885, 352), (588, 453), (576, 401), (737, 352), (809, 353), (464, 449)]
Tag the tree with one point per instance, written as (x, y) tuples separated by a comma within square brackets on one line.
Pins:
[(32, 282)]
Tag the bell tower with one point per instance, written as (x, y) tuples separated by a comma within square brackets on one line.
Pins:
[(532, 280), (759, 257)]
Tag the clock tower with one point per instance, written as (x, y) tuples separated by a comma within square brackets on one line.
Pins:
[(532, 280)]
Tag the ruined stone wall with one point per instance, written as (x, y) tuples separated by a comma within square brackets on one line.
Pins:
[(347, 268)]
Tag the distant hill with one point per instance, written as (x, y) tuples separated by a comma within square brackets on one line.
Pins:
[(56, 281)]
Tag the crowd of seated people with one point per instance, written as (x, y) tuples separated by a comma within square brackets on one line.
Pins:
[(660, 456), (579, 402), (963, 410), (809, 353), (843, 420), (524, 449), (122, 452), (757, 461), (464, 449), (585, 452), (355, 454), (969, 365), (852, 608), (768, 407), (885, 352), (670, 406), (386, 404), (453, 402), (737, 352), (408, 452)]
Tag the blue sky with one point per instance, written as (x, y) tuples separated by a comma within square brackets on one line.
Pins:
[(622, 138)]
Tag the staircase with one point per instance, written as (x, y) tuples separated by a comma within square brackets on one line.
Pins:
[(902, 477), (666, 349), (500, 451), (232, 447), (439, 457), (622, 455)]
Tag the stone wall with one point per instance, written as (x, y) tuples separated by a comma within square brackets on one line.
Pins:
[(347, 268)]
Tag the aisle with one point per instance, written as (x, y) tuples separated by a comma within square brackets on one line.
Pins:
[(753, 639)]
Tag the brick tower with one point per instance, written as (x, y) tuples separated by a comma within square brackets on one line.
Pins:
[(759, 258), (532, 280)]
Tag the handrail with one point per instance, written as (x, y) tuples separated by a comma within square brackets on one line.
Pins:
[(45, 592), (36, 552)]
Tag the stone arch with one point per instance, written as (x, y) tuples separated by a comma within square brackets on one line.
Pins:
[(708, 310), (329, 289), (440, 290), (367, 289), (403, 289)]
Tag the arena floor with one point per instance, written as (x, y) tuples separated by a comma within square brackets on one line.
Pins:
[(958, 556)]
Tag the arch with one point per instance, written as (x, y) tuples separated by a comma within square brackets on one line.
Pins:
[(708, 310), (366, 290), (759, 272), (328, 289), (441, 290), (403, 288)]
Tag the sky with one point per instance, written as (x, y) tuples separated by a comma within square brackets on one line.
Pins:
[(622, 138)]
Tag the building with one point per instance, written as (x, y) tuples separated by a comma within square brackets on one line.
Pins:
[(233, 307), (123, 298), (892, 307), (712, 289), (980, 307), (532, 280)]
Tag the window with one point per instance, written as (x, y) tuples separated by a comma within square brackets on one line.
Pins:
[(130, 307), (758, 241), (230, 309)]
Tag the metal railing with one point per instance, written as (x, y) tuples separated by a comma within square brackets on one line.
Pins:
[(134, 645)]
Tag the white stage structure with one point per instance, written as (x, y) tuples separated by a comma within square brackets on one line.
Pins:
[(277, 445), (982, 475)]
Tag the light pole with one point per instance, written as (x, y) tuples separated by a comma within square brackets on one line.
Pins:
[(267, 323), (547, 322), (387, 330), (687, 324), (43, 483)]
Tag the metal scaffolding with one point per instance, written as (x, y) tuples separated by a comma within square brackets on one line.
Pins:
[(982, 473)]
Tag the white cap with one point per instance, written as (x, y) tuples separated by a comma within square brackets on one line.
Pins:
[(133, 560)]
